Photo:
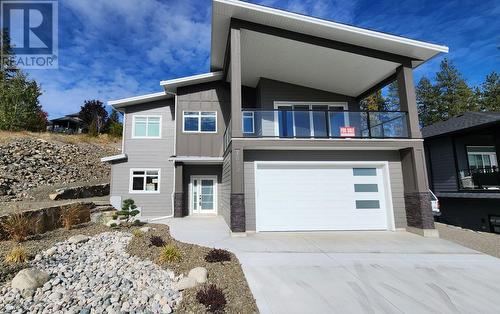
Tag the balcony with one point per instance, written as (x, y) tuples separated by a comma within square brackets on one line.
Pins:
[(324, 124), (480, 179)]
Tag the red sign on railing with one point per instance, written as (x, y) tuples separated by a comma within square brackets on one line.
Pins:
[(348, 131)]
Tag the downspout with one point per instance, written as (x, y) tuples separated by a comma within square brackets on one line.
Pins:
[(175, 150)]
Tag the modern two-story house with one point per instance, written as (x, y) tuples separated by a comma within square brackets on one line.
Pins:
[(274, 138), (462, 160)]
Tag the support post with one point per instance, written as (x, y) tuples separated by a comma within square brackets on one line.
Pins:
[(407, 99), (235, 68), (179, 191), (416, 191), (238, 222)]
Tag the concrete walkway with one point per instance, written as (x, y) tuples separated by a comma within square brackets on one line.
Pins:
[(354, 272)]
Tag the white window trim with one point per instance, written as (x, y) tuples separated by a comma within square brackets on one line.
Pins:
[(131, 191), (491, 155), (199, 121), (243, 121), (311, 104), (145, 116)]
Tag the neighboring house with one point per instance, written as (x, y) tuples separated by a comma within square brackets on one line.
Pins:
[(273, 138), (70, 123), (462, 160)]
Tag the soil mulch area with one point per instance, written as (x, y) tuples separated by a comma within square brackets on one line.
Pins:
[(228, 275), (40, 242)]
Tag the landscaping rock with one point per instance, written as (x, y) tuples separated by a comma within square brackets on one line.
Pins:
[(50, 251), (79, 238), (81, 192), (145, 229), (28, 163), (112, 222), (99, 276), (199, 274), (29, 278), (185, 283)]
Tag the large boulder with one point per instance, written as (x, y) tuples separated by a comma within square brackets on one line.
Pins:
[(29, 279), (79, 238), (185, 283), (199, 274)]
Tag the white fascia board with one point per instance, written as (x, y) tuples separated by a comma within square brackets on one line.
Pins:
[(171, 85), (119, 103), (254, 13), (114, 158)]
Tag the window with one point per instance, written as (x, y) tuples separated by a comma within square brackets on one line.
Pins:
[(146, 127), (144, 181), (365, 188), (367, 204), (364, 172), (200, 121), (481, 157), (248, 122)]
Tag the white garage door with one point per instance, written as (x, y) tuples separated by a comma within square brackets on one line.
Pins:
[(321, 196)]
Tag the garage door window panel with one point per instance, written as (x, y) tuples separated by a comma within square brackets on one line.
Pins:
[(367, 204)]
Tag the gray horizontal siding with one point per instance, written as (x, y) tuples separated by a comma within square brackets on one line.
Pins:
[(392, 157), (148, 153)]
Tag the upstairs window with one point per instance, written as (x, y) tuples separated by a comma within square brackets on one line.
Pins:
[(200, 122), (146, 127), (144, 181)]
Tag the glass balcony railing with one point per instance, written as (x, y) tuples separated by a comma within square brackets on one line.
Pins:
[(487, 179), (324, 124)]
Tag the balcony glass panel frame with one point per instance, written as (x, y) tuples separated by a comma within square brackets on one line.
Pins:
[(285, 122)]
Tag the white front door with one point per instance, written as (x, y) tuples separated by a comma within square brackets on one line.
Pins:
[(203, 195)]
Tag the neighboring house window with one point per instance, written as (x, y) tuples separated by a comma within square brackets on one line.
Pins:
[(200, 121), (146, 127), (144, 181), (481, 157), (248, 122)]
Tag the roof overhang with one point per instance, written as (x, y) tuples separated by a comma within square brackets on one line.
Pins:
[(172, 85), (125, 102), (308, 51), (114, 158), (197, 160)]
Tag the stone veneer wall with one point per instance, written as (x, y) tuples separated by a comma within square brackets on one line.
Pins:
[(238, 212), (419, 210)]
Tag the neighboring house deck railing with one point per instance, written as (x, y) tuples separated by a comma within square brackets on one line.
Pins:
[(479, 179), (227, 136), (324, 124)]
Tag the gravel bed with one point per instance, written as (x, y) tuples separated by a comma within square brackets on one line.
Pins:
[(488, 243), (41, 242), (95, 275), (228, 275)]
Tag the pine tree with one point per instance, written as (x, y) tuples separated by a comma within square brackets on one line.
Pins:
[(489, 93), (374, 102)]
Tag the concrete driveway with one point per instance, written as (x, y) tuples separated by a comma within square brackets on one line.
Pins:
[(354, 272)]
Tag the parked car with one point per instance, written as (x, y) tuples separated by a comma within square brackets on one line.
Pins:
[(435, 204)]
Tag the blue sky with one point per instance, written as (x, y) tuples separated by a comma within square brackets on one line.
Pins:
[(111, 49)]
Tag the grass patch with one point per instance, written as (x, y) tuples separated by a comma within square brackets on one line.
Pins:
[(169, 254), (17, 255)]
